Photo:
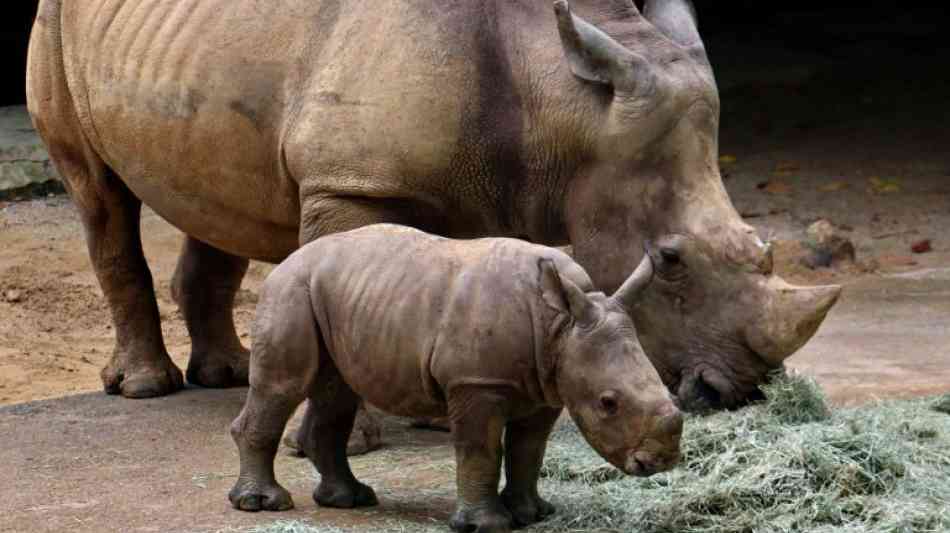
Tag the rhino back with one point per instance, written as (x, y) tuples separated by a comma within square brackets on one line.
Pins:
[(186, 100), (406, 315), (422, 105), (207, 107)]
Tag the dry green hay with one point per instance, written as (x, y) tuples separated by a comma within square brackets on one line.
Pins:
[(788, 464), (942, 405)]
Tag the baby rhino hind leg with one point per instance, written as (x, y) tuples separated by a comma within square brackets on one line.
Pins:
[(257, 432), (326, 428), (283, 366)]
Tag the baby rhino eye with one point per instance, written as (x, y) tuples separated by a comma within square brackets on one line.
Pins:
[(608, 403)]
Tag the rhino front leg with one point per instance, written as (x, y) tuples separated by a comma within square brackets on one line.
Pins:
[(325, 431), (204, 285), (525, 442), (478, 422)]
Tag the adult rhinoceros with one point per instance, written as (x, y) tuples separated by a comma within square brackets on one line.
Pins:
[(256, 126)]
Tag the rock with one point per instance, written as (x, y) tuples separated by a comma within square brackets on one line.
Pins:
[(896, 261), (23, 158), (826, 246), (13, 296), (921, 247)]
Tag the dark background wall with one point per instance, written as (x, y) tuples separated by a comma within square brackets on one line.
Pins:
[(15, 24), (729, 27)]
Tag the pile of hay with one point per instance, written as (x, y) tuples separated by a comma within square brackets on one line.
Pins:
[(787, 464)]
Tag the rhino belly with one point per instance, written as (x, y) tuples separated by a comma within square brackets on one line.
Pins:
[(212, 192), (186, 101)]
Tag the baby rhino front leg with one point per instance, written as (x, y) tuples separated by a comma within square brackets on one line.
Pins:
[(525, 443), (478, 421)]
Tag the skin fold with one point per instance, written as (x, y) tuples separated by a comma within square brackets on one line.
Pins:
[(497, 334), (257, 127)]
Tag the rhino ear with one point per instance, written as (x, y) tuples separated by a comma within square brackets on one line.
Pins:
[(592, 54), (676, 19), (564, 296)]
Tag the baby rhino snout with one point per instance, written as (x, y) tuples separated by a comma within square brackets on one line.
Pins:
[(660, 450)]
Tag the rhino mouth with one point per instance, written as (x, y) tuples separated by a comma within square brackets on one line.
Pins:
[(708, 390)]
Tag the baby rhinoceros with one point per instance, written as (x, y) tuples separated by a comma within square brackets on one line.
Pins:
[(498, 334)]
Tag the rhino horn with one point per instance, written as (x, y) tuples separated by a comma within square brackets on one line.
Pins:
[(677, 20), (592, 54), (629, 293), (790, 317)]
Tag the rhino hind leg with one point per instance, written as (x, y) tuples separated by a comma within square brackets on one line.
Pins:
[(257, 431), (324, 215), (325, 431), (140, 366), (205, 283), (285, 361)]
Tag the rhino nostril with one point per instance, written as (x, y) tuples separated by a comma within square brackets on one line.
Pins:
[(705, 392), (642, 468), (673, 423)]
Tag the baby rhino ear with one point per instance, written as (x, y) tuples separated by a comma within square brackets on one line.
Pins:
[(564, 296)]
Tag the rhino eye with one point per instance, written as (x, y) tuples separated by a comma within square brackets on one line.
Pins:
[(608, 402), (670, 256)]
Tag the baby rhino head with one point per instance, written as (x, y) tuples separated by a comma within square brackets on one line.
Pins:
[(605, 380)]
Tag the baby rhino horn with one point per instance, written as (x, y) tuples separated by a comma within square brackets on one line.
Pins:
[(629, 293)]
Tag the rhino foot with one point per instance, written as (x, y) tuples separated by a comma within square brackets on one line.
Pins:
[(527, 509), (361, 443), (345, 496), (219, 371), (157, 376), (294, 448), (494, 519), (249, 496)]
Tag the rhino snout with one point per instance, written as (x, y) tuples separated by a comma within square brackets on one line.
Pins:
[(644, 464), (660, 451), (671, 423)]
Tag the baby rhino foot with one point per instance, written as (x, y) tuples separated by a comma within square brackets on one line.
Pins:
[(345, 496), (482, 520), (249, 496), (527, 509)]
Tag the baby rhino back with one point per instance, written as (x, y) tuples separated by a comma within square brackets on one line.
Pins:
[(406, 315)]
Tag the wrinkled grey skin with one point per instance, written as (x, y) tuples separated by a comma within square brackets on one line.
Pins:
[(256, 127), (495, 333)]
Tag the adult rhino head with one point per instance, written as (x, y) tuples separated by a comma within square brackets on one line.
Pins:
[(717, 319)]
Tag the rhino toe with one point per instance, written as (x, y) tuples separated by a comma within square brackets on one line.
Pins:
[(343, 496), (527, 510), (156, 378), (251, 498), (216, 371)]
